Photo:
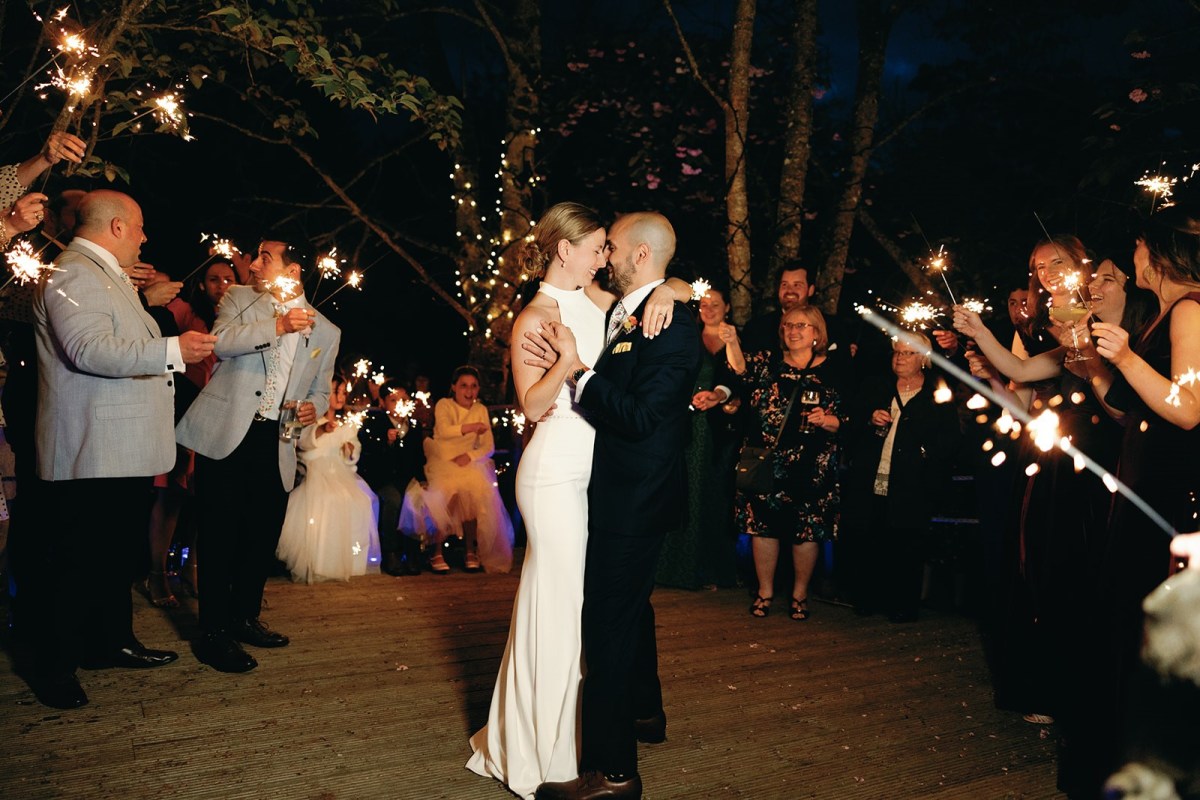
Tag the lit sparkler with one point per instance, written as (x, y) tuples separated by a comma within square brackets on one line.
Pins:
[(1049, 430), (1159, 187), (354, 279), (362, 368), (700, 287), (222, 248), (24, 265), (975, 306), (918, 316), (939, 262)]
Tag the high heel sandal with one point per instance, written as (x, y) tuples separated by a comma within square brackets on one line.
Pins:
[(761, 606), (799, 609), (158, 588)]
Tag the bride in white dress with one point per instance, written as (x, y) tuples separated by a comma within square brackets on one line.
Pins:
[(530, 735)]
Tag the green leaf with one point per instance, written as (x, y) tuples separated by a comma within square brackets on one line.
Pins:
[(279, 41)]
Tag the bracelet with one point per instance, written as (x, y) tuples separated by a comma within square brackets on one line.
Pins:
[(5, 239)]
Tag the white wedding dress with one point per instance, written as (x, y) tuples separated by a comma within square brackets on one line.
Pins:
[(530, 736)]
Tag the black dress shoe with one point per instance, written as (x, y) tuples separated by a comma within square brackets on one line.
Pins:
[(59, 691), (135, 656), (651, 730), (251, 631), (592, 785), (223, 654), (393, 565)]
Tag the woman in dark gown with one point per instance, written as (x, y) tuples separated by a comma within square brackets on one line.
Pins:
[(702, 553), (1155, 386)]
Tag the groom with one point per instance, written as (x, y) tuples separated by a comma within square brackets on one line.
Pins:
[(637, 396)]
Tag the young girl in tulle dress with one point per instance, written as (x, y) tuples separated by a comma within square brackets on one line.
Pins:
[(330, 531)]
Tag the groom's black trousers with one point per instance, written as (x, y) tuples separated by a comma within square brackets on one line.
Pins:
[(619, 647)]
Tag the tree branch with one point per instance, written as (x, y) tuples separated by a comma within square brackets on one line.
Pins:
[(691, 58)]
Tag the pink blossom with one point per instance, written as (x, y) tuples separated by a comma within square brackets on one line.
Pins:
[(688, 169), (695, 152), (1114, 127), (1138, 96), (652, 180), (1141, 54), (819, 92)]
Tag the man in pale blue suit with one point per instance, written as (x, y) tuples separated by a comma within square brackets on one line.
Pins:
[(272, 346), (103, 429)]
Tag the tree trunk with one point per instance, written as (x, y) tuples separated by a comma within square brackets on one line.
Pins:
[(874, 25), (797, 144), (737, 205), (497, 277)]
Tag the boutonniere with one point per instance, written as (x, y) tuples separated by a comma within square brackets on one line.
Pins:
[(316, 352), (629, 323)]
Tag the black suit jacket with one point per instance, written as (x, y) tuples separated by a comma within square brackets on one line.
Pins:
[(638, 401)]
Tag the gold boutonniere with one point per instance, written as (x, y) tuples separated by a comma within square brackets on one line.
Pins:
[(629, 323), (316, 352)]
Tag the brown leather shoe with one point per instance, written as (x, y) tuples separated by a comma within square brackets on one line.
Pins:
[(651, 730), (592, 785)]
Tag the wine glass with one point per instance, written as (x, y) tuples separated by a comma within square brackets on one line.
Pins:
[(808, 398), (1075, 310)]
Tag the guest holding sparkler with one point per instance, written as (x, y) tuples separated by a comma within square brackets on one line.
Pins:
[(803, 506), (103, 428), (272, 347), (392, 457), (1057, 530), (462, 497), (1156, 387), (329, 531), (21, 212), (901, 445)]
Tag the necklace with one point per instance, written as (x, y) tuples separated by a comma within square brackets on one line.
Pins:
[(908, 384)]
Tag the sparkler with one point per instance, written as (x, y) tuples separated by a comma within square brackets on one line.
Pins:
[(1012, 411), (354, 279), (918, 316), (70, 43), (939, 262), (328, 266), (700, 287), (219, 247), (362, 368), (24, 265)]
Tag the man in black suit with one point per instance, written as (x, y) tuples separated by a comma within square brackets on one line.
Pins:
[(637, 397)]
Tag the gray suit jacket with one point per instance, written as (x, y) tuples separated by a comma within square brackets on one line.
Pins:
[(105, 403), (218, 419)]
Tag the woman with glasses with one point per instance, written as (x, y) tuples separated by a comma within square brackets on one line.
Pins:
[(802, 508), (901, 444)]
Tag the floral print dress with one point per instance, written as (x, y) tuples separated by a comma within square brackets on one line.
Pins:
[(804, 505)]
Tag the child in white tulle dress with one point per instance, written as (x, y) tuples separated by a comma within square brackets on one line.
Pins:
[(330, 531)]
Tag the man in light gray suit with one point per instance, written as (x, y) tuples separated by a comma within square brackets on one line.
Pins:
[(103, 429), (272, 347)]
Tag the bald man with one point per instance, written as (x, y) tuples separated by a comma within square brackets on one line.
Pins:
[(637, 396), (104, 427)]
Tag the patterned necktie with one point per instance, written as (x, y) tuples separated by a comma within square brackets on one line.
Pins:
[(269, 402), (614, 322)]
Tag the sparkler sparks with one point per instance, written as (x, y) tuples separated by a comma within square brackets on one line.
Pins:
[(328, 264), (24, 264), (288, 287), (939, 262), (918, 316), (976, 306), (700, 287), (362, 368)]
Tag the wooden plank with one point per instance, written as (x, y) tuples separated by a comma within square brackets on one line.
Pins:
[(386, 678)]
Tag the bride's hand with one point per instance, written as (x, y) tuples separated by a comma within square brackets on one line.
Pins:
[(543, 355), (660, 309)]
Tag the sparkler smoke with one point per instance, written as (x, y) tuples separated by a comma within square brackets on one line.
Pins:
[(1014, 411)]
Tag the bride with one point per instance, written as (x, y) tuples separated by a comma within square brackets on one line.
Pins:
[(530, 735)]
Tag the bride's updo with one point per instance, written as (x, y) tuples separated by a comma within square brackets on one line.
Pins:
[(570, 221)]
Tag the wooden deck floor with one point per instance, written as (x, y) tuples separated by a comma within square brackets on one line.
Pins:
[(386, 678)]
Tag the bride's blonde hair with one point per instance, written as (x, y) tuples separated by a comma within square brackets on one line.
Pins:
[(570, 221)]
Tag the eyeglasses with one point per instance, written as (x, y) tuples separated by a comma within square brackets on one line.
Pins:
[(904, 353), (796, 326)]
